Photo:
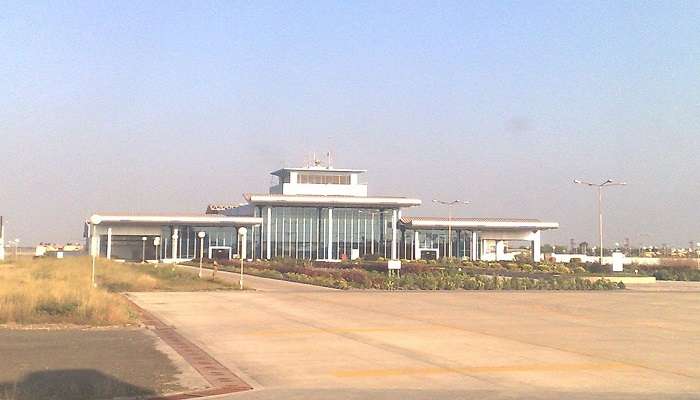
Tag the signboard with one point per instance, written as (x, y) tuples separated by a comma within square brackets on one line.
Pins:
[(394, 264), (354, 254), (617, 261)]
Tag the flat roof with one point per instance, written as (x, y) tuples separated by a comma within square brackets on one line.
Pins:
[(97, 219), (318, 200), (492, 223)]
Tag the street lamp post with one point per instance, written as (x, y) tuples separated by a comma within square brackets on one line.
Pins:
[(201, 235), (143, 249), (449, 205), (600, 187)]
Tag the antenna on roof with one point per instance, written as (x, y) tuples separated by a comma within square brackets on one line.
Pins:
[(329, 160)]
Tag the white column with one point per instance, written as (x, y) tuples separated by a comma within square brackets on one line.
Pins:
[(474, 247), (416, 248), (175, 241), (536, 247), (243, 243), (269, 233), (330, 234), (189, 232), (109, 243), (393, 235), (500, 250)]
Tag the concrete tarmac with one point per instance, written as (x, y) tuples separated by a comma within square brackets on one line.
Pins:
[(329, 344)]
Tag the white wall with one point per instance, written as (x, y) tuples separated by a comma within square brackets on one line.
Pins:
[(566, 258), (320, 189), (132, 230)]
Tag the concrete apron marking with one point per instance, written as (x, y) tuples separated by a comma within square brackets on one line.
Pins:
[(376, 373), (340, 330), (222, 380)]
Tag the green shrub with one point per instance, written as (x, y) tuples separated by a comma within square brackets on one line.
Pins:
[(527, 267), (54, 307), (562, 269)]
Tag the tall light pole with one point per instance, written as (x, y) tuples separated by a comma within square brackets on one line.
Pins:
[(600, 187), (449, 205), (201, 235)]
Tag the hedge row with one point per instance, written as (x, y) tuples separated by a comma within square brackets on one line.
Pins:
[(345, 278)]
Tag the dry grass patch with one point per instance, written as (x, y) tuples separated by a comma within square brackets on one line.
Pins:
[(39, 291)]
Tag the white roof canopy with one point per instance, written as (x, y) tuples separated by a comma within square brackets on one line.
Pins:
[(476, 223), (97, 219), (331, 201)]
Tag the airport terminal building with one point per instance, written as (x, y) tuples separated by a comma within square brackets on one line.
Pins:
[(315, 213)]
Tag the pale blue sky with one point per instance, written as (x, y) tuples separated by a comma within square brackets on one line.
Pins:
[(168, 106)]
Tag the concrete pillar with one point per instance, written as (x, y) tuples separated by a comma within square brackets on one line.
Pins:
[(174, 244), (109, 243), (474, 248), (416, 247), (536, 247), (269, 233), (393, 235), (330, 234), (500, 250)]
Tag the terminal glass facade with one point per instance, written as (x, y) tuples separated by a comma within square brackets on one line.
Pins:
[(434, 243), (222, 240), (324, 233)]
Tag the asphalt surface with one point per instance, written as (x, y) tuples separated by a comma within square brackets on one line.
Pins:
[(41, 364), (328, 344)]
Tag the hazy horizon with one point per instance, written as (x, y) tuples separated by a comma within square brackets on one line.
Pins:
[(167, 107)]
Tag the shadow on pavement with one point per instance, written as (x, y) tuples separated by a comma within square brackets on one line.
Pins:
[(69, 384)]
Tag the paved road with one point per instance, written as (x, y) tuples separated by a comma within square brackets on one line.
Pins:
[(319, 344)]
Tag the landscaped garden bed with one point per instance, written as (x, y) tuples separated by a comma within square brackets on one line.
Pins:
[(421, 276), (668, 272)]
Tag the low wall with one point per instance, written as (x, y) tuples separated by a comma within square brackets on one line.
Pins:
[(566, 258), (625, 279)]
